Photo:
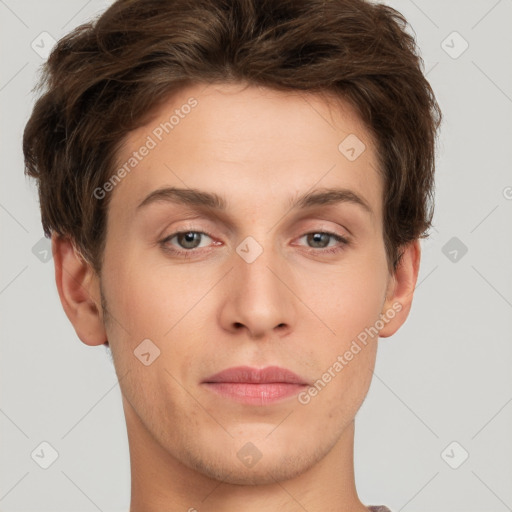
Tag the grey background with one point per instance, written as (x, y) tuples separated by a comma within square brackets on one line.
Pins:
[(444, 377)]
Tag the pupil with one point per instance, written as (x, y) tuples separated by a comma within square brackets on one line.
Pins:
[(189, 239), (317, 237)]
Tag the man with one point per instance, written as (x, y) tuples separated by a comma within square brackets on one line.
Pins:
[(235, 192)]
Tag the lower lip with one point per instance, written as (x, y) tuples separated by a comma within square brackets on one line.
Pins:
[(255, 394)]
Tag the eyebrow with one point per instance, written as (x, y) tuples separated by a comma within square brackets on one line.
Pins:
[(199, 198)]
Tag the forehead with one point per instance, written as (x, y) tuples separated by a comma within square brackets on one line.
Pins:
[(246, 144)]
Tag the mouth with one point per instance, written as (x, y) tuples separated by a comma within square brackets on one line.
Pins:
[(255, 386)]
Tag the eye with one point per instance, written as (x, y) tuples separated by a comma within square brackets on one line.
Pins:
[(187, 241), (321, 239)]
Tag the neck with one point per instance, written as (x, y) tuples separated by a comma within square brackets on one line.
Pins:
[(161, 483)]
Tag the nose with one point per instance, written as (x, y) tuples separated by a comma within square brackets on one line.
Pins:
[(259, 297)]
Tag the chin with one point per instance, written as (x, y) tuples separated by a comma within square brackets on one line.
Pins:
[(236, 474), (272, 467)]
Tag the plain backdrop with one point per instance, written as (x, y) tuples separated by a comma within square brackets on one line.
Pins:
[(434, 432)]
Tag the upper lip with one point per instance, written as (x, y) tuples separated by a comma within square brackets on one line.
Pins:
[(251, 375)]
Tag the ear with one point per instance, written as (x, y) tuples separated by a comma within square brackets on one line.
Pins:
[(79, 291), (400, 290)]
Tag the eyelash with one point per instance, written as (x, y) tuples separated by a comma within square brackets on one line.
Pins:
[(190, 252)]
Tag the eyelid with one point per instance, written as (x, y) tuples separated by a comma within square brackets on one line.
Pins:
[(183, 231), (342, 242)]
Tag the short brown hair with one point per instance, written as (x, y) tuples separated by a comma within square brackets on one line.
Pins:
[(103, 78)]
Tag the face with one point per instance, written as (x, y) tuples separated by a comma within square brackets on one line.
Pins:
[(282, 275)]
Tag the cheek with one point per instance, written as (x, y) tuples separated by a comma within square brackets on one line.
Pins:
[(348, 299), (349, 302), (161, 304), (147, 300)]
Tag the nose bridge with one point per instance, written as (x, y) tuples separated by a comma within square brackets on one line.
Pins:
[(258, 298), (256, 269)]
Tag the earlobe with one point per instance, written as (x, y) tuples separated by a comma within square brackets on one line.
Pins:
[(401, 290), (79, 292)]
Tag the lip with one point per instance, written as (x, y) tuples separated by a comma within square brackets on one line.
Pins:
[(254, 386)]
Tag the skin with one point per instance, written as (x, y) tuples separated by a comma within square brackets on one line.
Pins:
[(294, 306)]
